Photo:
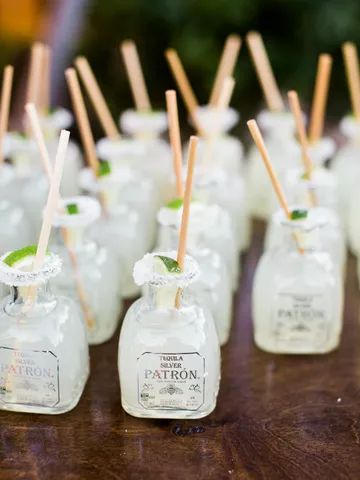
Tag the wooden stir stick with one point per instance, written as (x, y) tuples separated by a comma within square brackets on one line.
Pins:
[(44, 154), (186, 210), (259, 142), (35, 74), (50, 208), (184, 86), (226, 66), (264, 72), (175, 139), (97, 98), (321, 89), (351, 60), (135, 75), (5, 106), (44, 94)]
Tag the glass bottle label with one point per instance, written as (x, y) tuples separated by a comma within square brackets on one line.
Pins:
[(301, 319), (174, 381), (29, 377)]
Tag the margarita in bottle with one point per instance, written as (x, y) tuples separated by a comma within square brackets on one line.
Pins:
[(169, 358), (89, 275), (43, 346)]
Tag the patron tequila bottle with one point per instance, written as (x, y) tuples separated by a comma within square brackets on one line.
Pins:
[(44, 361), (169, 358), (297, 294), (89, 274)]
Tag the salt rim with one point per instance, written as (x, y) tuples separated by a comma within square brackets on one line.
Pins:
[(144, 271), (323, 149), (7, 174), (13, 277), (56, 120), (14, 143), (133, 122), (114, 149), (120, 176), (89, 211), (350, 127), (213, 121), (276, 121), (307, 224)]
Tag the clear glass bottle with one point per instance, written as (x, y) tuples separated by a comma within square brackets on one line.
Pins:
[(346, 165), (119, 228), (213, 287), (297, 298), (44, 358), (331, 233), (279, 131), (169, 358), (209, 227), (89, 275), (156, 163)]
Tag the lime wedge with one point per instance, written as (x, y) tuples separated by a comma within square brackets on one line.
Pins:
[(299, 214), (22, 258), (175, 204), (104, 168), (164, 265), (72, 208)]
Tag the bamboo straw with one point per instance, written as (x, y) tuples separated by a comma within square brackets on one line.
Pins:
[(44, 154), (226, 92), (35, 73), (184, 86), (97, 98), (351, 60), (226, 66), (320, 97), (186, 209), (82, 120), (259, 142), (175, 139), (5, 105), (44, 96), (39, 138), (300, 126), (51, 206), (264, 72), (135, 75)]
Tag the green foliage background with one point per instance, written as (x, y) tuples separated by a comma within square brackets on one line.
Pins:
[(295, 32)]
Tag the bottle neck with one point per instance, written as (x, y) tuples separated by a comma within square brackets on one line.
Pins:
[(71, 237), (301, 240), (163, 297), (18, 301), (169, 239)]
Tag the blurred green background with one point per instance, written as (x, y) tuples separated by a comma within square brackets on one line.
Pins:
[(294, 31)]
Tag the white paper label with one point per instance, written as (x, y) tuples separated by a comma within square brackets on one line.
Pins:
[(172, 381), (29, 377), (301, 319)]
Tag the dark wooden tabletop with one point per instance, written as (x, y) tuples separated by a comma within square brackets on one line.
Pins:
[(278, 417)]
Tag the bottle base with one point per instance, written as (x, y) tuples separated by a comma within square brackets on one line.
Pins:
[(168, 414)]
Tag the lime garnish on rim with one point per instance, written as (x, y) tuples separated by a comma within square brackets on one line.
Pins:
[(167, 265), (298, 214), (22, 258), (175, 204), (104, 168), (72, 208)]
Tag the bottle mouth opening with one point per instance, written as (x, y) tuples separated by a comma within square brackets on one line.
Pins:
[(152, 122), (316, 218), (16, 277), (88, 208), (145, 271)]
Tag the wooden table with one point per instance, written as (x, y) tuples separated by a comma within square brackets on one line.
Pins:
[(278, 417)]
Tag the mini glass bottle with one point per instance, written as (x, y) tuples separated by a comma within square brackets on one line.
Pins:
[(297, 296), (44, 360), (119, 228), (225, 150), (331, 232), (213, 288), (30, 184), (346, 165), (352, 222), (209, 224), (279, 131), (156, 163), (89, 274), (169, 358)]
